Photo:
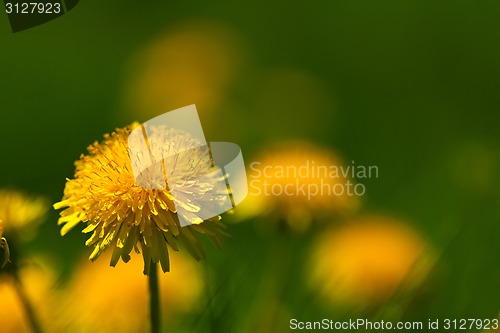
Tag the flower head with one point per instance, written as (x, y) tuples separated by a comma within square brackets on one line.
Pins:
[(191, 63), (294, 182), (21, 212), (367, 260), (38, 278), (121, 214)]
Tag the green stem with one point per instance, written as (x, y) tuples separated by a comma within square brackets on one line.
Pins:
[(28, 308), (154, 299), (12, 269)]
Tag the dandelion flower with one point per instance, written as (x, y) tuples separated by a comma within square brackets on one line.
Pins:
[(123, 215), (21, 212), (191, 63), (37, 279), (366, 261), (294, 182)]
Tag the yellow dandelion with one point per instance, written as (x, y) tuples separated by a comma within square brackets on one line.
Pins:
[(13, 317), (118, 296), (121, 214), (4, 247), (191, 63), (35, 284), (297, 182), (21, 212), (366, 261)]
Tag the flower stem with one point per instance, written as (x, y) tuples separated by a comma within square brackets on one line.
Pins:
[(12, 269), (28, 308), (154, 299)]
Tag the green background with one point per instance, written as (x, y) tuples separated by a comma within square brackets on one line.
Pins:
[(415, 86)]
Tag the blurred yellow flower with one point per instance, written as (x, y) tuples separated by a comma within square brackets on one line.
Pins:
[(294, 181), (21, 213), (4, 248), (122, 215), (192, 63), (367, 260), (104, 299), (37, 280)]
